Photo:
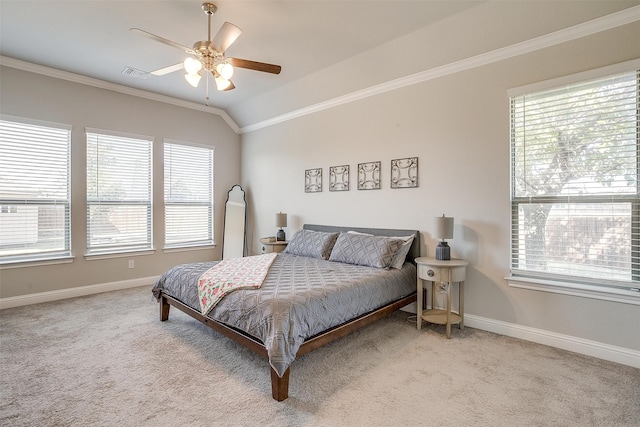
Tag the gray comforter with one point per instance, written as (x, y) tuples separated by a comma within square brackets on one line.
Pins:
[(299, 298)]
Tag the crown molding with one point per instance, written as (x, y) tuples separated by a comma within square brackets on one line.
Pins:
[(89, 81), (584, 29)]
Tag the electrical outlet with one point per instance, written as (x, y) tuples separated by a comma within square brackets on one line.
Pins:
[(132, 263)]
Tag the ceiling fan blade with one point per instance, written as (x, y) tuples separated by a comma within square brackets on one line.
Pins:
[(230, 87), (257, 66), (163, 40), (169, 69), (226, 35)]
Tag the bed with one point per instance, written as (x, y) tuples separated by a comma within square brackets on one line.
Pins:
[(329, 282)]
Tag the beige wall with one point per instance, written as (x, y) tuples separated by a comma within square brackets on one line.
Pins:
[(458, 126), (40, 97)]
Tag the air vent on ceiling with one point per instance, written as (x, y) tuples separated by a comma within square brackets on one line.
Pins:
[(132, 72)]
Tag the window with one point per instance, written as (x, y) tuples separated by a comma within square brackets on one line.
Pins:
[(574, 171), (35, 220), (118, 192), (188, 195)]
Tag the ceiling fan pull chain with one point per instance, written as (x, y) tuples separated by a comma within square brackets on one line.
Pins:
[(206, 102)]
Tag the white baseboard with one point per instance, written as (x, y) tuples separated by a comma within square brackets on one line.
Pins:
[(79, 291), (608, 352)]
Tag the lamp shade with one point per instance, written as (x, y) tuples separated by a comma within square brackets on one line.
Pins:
[(444, 227), (192, 65), (222, 84), (281, 220), (193, 79), (225, 70)]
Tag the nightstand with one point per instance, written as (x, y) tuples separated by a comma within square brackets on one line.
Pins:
[(273, 246), (437, 271)]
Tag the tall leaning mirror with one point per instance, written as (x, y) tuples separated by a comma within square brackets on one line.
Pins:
[(235, 221)]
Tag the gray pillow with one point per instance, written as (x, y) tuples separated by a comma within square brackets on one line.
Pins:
[(400, 256), (312, 244), (362, 249)]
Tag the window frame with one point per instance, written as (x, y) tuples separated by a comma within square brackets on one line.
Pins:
[(625, 292), (102, 251), (210, 240), (44, 257)]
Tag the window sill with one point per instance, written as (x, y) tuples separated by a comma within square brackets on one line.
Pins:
[(170, 249), (37, 263), (625, 296), (109, 255)]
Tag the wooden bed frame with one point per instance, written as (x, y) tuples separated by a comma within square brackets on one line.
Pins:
[(280, 385)]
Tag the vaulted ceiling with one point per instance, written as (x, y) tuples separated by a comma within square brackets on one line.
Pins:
[(308, 38)]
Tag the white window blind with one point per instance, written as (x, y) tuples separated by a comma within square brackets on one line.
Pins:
[(119, 207), (35, 221), (188, 194), (575, 196)]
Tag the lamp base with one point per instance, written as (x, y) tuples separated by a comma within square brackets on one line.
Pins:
[(443, 251), (280, 236)]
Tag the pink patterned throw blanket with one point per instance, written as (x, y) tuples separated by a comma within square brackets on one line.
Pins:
[(232, 274)]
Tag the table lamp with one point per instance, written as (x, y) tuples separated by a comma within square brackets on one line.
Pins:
[(444, 230), (281, 221)]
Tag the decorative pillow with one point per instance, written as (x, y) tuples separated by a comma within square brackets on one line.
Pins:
[(401, 255), (312, 244), (362, 249)]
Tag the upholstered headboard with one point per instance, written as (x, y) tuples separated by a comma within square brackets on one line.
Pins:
[(414, 251)]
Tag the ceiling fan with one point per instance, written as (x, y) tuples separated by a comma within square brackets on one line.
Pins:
[(208, 55)]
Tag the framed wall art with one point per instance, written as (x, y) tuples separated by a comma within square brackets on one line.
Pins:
[(339, 178), (369, 176), (404, 172), (313, 180)]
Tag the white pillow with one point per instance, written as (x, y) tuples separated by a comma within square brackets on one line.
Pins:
[(401, 255)]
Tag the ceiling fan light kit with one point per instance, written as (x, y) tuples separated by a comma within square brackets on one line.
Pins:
[(209, 55)]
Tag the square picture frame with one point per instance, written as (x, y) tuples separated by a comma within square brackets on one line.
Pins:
[(339, 178), (313, 180), (404, 172), (369, 175)]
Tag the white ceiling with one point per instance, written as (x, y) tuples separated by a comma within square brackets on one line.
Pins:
[(327, 49), (92, 38)]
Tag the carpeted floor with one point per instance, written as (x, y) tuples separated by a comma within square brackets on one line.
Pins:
[(107, 360)]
